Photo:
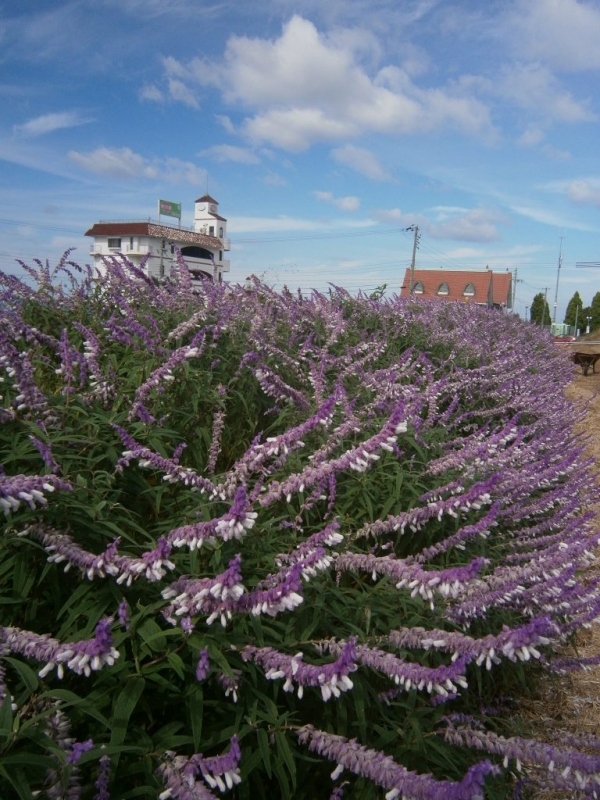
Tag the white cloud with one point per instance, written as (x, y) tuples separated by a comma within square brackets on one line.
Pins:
[(360, 160), (297, 129), (555, 153), (121, 162), (532, 136), (562, 33), (228, 152), (470, 225), (453, 223), (48, 123), (305, 87), (584, 191), (400, 218), (175, 90), (274, 179), (343, 203), (226, 123), (552, 218), (151, 92), (181, 93), (294, 225), (124, 163), (533, 87)]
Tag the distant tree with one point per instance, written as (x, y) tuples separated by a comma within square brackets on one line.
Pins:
[(540, 310), (595, 312), (574, 312), (379, 292)]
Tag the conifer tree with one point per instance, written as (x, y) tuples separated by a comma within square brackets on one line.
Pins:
[(574, 312), (540, 310)]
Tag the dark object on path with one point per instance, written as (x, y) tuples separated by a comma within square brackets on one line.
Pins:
[(586, 360)]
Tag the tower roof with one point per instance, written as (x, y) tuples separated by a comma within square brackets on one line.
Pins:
[(206, 198)]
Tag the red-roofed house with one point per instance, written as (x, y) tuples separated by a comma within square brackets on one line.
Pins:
[(485, 287), (201, 246)]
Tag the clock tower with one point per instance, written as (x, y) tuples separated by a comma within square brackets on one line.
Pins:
[(207, 218)]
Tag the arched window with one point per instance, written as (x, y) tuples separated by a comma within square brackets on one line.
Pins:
[(418, 288), (443, 289), (469, 290), (193, 251)]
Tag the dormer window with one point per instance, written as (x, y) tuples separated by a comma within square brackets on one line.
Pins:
[(469, 290), (443, 289), (418, 288)]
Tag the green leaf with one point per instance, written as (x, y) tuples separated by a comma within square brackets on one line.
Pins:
[(285, 753), (26, 674), (152, 635), (18, 783), (265, 749), (6, 719), (72, 699), (124, 706), (28, 760), (176, 662), (195, 707)]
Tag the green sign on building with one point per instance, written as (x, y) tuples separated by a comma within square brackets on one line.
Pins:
[(169, 209)]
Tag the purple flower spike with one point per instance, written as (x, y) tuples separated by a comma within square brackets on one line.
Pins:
[(103, 779), (81, 657), (203, 667), (77, 750)]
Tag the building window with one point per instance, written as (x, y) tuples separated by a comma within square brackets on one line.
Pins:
[(211, 230), (443, 289), (469, 290), (220, 255), (418, 288), (131, 242), (220, 233), (114, 244)]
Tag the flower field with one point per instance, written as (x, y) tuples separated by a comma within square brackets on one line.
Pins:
[(261, 545)]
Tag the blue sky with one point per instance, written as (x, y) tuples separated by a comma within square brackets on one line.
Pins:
[(324, 130)]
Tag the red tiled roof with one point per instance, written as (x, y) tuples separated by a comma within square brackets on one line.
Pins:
[(486, 286), (502, 287), (177, 235)]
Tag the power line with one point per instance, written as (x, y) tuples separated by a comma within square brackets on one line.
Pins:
[(316, 236), (39, 226)]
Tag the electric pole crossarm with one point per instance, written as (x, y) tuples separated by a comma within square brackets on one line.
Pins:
[(557, 279), (414, 228)]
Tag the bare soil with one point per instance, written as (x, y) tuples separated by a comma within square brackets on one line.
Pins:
[(571, 704)]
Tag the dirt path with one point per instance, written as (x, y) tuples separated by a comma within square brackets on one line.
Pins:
[(571, 704)]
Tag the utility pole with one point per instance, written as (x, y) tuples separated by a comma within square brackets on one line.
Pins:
[(544, 306), (162, 256), (557, 278), (514, 294), (414, 228)]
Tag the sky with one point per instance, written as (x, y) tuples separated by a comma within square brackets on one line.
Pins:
[(327, 131)]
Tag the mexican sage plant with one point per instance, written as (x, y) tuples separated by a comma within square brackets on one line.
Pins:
[(259, 544)]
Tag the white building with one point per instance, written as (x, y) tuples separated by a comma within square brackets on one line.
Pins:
[(202, 246)]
